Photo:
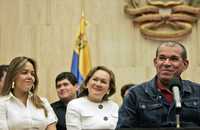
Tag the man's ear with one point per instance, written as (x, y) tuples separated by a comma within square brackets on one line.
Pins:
[(186, 64), (155, 61)]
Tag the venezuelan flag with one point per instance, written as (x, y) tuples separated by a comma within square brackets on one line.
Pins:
[(81, 63)]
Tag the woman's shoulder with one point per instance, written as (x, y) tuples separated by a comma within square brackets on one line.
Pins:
[(44, 100), (3, 101), (4, 98), (77, 102), (112, 104)]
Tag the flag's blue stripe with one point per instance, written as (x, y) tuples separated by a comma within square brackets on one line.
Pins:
[(75, 64), (75, 67)]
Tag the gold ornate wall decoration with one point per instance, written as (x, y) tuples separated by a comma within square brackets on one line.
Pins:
[(164, 20)]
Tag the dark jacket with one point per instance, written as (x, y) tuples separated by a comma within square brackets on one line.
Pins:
[(60, 109), (144, 106)]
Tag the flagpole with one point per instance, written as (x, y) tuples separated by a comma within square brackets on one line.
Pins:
[(82, 7), (81, 58), (81, 28)]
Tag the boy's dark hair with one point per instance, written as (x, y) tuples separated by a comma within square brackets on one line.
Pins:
[(66, 75)]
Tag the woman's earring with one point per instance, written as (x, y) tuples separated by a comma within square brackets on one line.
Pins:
[(13, 85), (32, 88)]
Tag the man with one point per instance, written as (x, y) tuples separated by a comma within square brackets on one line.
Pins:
[(3, 71), (66, 87), (151, 104)]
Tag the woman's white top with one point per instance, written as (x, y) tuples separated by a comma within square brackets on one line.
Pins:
[(85, 114), (14, 115)]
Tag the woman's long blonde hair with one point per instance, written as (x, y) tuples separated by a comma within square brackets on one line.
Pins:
[(15, 67)]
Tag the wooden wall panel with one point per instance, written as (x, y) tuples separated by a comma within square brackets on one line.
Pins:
[(46, 31)]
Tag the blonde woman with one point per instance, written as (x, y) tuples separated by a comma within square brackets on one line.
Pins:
[(20, 107)]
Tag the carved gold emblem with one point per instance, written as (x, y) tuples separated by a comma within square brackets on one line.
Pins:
[(164, 19)]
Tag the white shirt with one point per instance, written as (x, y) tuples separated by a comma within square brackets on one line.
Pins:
[(14, 115), (84, 114)]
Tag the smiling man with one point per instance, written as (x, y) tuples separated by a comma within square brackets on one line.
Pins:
[(66, 87), (151, 104)]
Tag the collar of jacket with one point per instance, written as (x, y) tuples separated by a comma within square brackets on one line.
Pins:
[(151, 89)]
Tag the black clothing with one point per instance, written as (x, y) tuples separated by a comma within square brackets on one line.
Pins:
[(60, 109)]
